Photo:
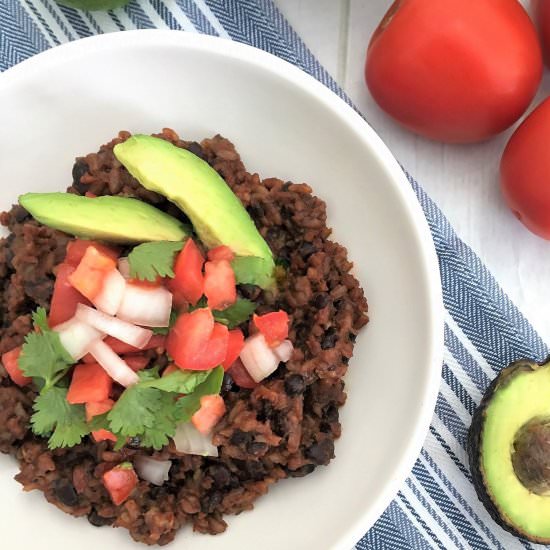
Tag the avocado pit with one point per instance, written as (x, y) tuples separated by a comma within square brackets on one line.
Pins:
[(531, 455)]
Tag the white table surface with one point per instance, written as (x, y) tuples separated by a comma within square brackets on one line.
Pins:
[(463, 180)]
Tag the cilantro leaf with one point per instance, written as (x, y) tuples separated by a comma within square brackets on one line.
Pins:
[(40, 319), (235, 314), (187, 406), (179, 382), (150, 260), (54, 416), (44, 357), (165, 424)]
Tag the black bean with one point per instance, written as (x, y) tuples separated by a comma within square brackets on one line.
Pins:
[(210, 502), (65, 492), (19, 214), (99, 521), (220, 475), (134, 442), (345, 360), (306, 250), (286, 185), (240, 438), (256, 448), (352, 337), (255, 470), (324, 427), (294, 385), (256, 210), (79, 169), (321, 452), (227, 383), (303, 471), (331, 413), (286, 213), (156, 492), (250, 292), (196, 149), (321, 300), (329, 339)]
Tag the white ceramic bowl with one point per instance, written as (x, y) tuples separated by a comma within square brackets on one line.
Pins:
[(69, 100)]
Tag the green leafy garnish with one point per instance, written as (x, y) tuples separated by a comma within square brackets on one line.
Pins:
[(187, 406), (151, 260), (236, 314), (44, 358), (54, 416), (150, 409), (40, 319)]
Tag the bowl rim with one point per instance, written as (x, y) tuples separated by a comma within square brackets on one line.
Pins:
[(371, 140)]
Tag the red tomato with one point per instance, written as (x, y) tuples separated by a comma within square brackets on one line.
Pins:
[(90, 383), (188, 281), (136, 362), (454, 71), (216, 349), (89, 276), (77, 248), (221, 253), (274, 326), (65, 297), (9, 360), (188, 338), (120, 482), (542, 15), (220, 286), (525, 171), (98, 407), (156, 341), (235, 345), (211, 411), (103, 435), (241, 376)]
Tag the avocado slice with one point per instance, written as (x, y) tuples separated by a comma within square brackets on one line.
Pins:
[(509, 450), (114, 219), (216, 213)]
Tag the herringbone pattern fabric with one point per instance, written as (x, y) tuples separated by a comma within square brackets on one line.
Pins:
[(437, 506)]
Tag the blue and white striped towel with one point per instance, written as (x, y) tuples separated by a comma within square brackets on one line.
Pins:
[(436, 506)]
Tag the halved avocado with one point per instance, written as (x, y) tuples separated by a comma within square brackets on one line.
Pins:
[(509, 450)]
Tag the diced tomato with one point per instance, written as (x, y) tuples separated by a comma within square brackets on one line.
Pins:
[(188, 281), (77, 248), (274, 326), (65, 297), (196, 342), (89, 276), (156, 341), (170, 369), (136, 362), (10, 362), (211, 411), (90, 195), (221, 253), (103, 435), (241, 376), (120, 482), (220, 286), (89, 358), (90, 383), (95, 409), (98, 407), (235, 344)]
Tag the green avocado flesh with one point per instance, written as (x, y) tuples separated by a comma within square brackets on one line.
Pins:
[(114, 219), (503, 436), (218, 216)]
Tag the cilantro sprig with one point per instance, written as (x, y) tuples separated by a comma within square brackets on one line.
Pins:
[(151, 260), (152, 408)]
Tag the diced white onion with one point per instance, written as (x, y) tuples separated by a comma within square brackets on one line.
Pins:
[(126, 332), (124, 267), (284, 351), (76, 337), (258, 358), (114, 366), (149, 307), (190, 441), (153, 471), (110, 297)]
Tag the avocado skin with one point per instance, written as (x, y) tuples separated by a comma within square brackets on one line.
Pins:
[(120, 220), (473, 445)]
